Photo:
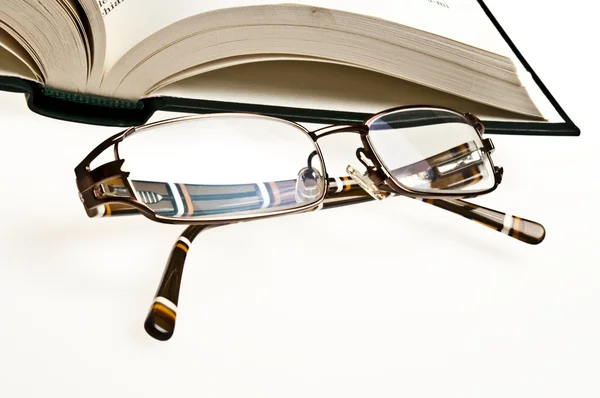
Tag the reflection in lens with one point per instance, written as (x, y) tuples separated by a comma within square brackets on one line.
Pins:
[(223, 165), (430, 150)]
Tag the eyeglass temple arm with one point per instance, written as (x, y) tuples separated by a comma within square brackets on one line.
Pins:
[(160, 321), (516, 227)]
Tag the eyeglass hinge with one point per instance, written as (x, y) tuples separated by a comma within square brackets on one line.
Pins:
[(488, 145), (114, 188), (476, 123), (499, 173)]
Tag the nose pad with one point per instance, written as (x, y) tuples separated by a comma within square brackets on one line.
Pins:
[(366, 183), (309, 185)]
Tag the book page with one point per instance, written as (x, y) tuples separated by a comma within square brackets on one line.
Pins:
[(14, 67), (128, 22), (15, 61), (318, 85)]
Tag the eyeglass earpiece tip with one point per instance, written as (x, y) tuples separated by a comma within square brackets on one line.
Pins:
[(525, 230), (160, 322), (534, 232)]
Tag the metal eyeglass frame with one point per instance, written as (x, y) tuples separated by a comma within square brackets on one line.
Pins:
[(100, 200)]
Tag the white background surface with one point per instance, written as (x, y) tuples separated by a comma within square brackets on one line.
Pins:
[(383, 299)]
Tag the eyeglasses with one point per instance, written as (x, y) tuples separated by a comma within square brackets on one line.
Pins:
[(216, 169)]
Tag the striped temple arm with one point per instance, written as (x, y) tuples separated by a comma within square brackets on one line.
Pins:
[(160, 321)]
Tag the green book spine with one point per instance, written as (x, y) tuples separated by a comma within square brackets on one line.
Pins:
[(103, 111)]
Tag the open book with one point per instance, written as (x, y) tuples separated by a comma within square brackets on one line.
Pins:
[(433, 50)]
